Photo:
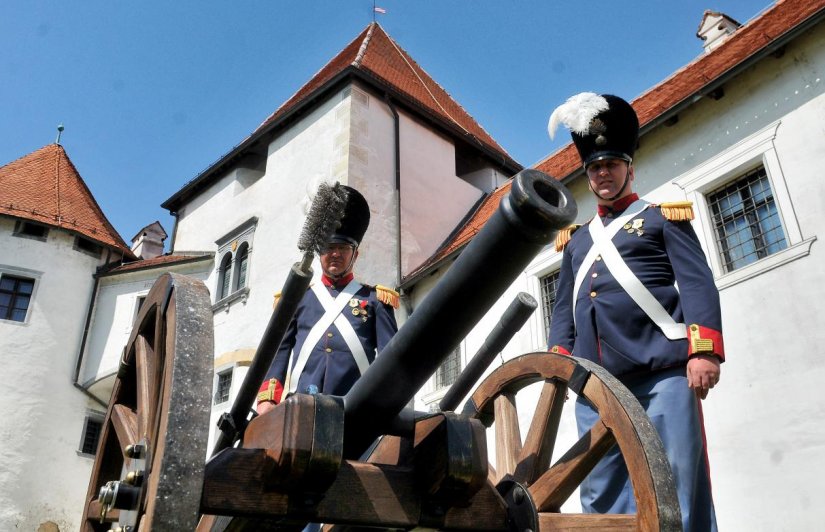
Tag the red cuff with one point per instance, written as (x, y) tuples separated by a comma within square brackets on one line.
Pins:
[(705, 341), (270, 390), (559, 350)]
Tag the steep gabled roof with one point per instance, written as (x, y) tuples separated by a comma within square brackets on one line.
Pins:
[(761, 36), (376, 59), (376, 55), (45, 187)]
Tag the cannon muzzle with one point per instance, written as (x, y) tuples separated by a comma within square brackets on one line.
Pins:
[(527, 219)]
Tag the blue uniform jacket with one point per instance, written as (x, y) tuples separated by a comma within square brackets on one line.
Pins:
[(610, 328), (331, 366)]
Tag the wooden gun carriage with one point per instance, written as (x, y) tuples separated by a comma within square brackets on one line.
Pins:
[(363, 460)]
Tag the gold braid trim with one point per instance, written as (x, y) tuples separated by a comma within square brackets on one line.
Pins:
[(678, 211), (564, 235), (277, 298), (699, 345), (269, 393), (387, 295)]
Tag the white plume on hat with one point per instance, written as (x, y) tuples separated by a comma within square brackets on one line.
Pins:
[(577, 113)]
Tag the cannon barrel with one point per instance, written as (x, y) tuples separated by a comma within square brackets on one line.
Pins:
[(511, 321), (527, 219)]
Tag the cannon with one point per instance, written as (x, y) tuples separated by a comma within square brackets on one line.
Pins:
[(343, 461)]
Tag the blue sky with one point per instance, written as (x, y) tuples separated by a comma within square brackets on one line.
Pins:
[(152, 92)]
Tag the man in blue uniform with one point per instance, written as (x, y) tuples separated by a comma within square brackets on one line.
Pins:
[(636, 295), (340, 324)]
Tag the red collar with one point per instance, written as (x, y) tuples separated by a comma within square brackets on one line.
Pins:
[(339, 283), (618, 206)]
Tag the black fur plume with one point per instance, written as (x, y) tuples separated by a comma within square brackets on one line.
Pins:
[(323, 218)]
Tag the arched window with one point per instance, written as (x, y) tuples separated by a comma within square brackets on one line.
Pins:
[(225, 276), (233, 261), (241, 266)]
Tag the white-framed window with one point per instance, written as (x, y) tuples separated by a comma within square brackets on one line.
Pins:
[(548, 284), (225, 276), (743, 209), (448, 371), (444, 377), (234, 260), (543, 280), (223, 386), (90, 437), (18, 287)]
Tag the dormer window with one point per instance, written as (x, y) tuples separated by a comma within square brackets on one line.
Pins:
[(90, 247), (27, 229)]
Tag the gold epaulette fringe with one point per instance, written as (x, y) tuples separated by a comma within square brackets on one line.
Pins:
[(678, 211), (387, 295), (563, 237), (277, 298)]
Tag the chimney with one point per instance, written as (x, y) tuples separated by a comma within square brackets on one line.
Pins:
[(715, 28), (148, 242)]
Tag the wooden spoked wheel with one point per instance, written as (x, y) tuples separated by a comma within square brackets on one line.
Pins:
[(622, 421), (148, 471)]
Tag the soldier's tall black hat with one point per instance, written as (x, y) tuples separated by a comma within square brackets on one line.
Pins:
[(355, 221), (602, 126)]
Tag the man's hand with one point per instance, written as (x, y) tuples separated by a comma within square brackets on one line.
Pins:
[(703, 374), (265, 406)]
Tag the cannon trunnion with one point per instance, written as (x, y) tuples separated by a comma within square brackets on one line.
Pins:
[(335, 460)]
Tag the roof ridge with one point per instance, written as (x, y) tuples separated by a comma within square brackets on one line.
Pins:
[(418, 70), (363, 49), (407, 60), (289, 101)]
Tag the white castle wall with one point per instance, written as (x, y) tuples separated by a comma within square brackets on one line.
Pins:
[(43, 413)]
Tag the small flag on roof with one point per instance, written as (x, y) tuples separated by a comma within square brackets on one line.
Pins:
[(380, 10)]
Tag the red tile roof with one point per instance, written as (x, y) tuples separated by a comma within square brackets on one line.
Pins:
[(754, 37), (376, 59), (156, 262), (686, 82), (376, 55), (45, 187)]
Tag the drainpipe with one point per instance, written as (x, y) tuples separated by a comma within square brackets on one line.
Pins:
[(86, 327), (174, 231), (397, 140)]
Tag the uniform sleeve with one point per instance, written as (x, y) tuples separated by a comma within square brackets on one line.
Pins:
[(562, 329), (697, 290), (385, 325)]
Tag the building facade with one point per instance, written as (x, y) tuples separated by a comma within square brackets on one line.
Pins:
[(738, 133)]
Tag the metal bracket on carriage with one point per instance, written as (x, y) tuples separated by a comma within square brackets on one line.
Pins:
[(521, 510)]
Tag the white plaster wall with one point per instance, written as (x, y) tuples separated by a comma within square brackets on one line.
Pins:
[(349, 138), (42, 477), (433, 199), (113, 317), (370, 169), (304, 153), (764, 421)]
